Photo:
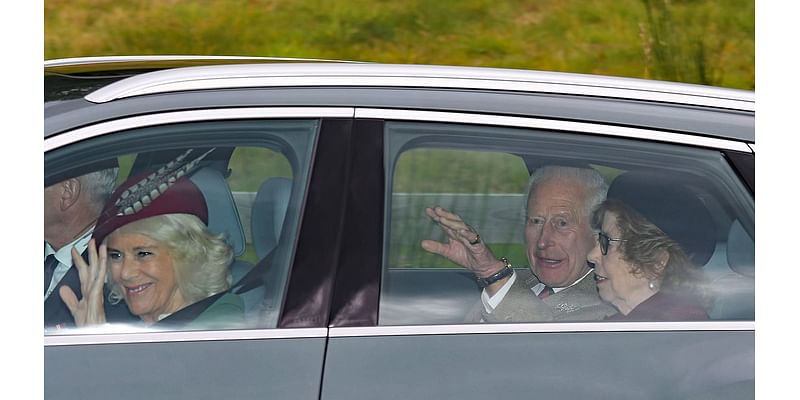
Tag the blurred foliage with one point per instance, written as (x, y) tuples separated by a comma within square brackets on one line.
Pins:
[(697, 41), (459, 171)]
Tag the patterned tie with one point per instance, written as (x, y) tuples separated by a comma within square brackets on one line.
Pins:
[(50, 264), (545, 293)]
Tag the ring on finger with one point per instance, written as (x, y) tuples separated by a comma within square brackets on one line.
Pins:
[(476, 241)]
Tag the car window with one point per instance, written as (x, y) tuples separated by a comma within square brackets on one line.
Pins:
[(251, 177), (482, 173)]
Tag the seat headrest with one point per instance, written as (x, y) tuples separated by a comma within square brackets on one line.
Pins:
[(741, 250), (223, 216), (269, 211), (666, 202)]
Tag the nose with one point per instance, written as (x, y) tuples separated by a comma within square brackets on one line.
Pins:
[(128, 269), (545, 236), (594, 254)]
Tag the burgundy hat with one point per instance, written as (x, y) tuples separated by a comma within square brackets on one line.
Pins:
[(165, 191)]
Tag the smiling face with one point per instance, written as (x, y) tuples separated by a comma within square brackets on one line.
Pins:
[(144, 271), (616, 282), (558, 233)]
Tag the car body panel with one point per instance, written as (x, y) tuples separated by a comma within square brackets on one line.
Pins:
[(235, 368), (619, 365), (329, 342)]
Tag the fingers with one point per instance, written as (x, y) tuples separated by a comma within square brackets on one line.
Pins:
[(455, 227), (101, 266), (81, 266), (70, 299), (451, 223), (432, 246), (443, 216)]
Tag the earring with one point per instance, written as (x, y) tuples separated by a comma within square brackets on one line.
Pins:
[(651, 285)]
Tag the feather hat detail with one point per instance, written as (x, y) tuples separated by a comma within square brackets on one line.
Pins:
[(167, 190)]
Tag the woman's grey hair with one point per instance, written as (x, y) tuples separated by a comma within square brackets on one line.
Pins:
[(645, 243), (201, 260), (99, 185), (596, 186)]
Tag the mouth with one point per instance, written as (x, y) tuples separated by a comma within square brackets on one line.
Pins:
[(136, 290), (548, 262), (599, 278)]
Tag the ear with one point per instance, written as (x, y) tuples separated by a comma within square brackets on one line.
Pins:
[(663, 259), (71, 193)]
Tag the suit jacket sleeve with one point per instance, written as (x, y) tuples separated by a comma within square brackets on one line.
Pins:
[(519, 305), (577, 303)]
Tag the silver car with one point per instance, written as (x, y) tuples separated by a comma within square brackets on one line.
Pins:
[(319, 178)]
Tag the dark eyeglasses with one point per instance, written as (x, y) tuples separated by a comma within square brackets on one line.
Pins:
[(604, 240)]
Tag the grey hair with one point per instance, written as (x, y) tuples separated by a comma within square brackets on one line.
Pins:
[(99, 185), (201, 259), (594, 183)]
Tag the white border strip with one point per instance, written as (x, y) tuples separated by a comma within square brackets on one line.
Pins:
[(524, 122), (548, 327), (80, 337), (195, 115)]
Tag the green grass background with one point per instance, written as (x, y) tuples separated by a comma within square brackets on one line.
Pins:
[(697, 41)]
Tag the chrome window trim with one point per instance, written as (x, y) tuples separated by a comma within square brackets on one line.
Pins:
[(103, 128), (425, 76), (524, 122), (549, 327), (96, 336)]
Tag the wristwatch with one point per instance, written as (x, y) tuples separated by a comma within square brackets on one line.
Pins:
[(505, 272)]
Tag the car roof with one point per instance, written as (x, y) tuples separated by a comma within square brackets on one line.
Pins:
[(164, 74), (70, 78), (81, 91)]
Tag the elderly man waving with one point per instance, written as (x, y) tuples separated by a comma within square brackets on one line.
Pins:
[(560, 284)]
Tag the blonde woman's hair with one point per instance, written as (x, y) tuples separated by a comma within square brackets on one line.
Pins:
[(201, 260)]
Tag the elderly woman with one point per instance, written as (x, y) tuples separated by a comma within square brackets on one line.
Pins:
[(162, 260), (639, 268)]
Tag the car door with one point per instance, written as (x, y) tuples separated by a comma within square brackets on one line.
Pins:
[(408, 336), (277, 213)]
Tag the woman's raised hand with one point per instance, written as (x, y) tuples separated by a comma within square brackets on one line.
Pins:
[(89, 309)]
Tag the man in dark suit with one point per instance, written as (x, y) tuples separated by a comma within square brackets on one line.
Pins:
[(560, 283), (71, 208)]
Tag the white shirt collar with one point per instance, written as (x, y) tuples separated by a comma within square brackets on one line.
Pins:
[(64, 257), (540, 286)]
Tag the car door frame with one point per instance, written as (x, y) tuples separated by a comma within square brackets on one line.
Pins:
[(478, 360), (286, 362)]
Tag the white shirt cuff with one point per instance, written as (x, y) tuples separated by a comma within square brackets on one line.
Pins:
[(490, 303)]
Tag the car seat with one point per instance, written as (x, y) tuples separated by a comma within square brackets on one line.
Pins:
[(734, 282), (268, 214), (223, 218)]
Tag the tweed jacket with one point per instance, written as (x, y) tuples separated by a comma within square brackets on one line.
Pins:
[(576, 303)]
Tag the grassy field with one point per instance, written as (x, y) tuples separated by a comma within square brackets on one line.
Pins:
[(698, 41)]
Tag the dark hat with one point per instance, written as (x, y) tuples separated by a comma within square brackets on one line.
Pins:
[(665, 201), (165, 191)]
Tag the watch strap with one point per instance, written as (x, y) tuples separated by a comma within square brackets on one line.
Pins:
[(503, 273)]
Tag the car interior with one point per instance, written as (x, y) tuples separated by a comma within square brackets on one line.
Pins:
[(264, 215), (723, 248), (253, 223)]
